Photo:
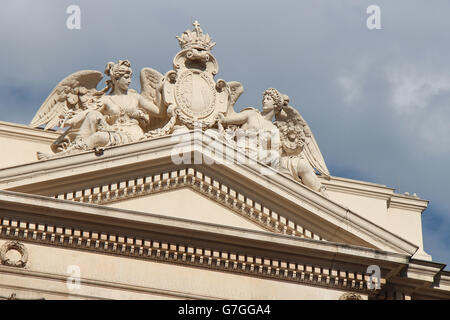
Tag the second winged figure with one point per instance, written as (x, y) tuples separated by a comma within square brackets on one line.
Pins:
[(287, 143)]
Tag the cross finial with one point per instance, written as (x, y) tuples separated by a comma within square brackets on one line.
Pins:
[(196, 24), (197, 27)]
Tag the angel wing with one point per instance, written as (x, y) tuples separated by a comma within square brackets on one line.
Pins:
[(296, 136), (235, 91), (65, 98), (150, 82)]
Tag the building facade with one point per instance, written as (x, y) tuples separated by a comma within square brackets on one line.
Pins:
[(151, 196)]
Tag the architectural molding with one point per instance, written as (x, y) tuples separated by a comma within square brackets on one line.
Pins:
[(24, 132), (409, 203), (50, 177), (423, 271), (34, 207), (376, 191), (194, 179), (359, 188), (91, 283), (185, 254)]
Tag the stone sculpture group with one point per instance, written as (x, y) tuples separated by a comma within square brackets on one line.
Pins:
[(186, 97)]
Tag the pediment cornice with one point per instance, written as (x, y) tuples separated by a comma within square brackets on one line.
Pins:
[(30, 206), (277, 192), (23, 132)]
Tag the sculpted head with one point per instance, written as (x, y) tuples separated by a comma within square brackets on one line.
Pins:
[(120, 74), (272, 100)]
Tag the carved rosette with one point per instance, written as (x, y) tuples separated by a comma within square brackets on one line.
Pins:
[(14, 245)]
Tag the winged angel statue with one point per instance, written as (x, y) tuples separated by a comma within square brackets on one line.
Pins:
[(300, 154), (92, 119)]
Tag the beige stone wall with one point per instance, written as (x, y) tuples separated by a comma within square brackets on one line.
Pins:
[(112, 277), (19, 144), (186, 204), (399, 214), (408, 225)]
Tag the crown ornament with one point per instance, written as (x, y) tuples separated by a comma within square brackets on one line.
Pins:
[(195, 39)]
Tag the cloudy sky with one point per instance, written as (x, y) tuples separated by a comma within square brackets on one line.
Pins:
[(378, 101)]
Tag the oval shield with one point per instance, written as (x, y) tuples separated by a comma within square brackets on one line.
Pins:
[(195, 94)]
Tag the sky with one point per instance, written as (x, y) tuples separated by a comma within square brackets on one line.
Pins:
[(377, 101)]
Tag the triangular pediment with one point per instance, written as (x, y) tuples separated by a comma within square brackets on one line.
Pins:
[(186, 203), (140, 173)]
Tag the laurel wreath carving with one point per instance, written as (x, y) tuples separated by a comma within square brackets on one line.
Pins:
[(14, 245)]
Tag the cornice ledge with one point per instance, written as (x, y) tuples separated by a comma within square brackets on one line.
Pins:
[(407, 203), (442, 281), (362, 188), (424, 271), (138, 220), (161, 148), (39, 171), (27, 133), (341, 216), (358, 187)]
